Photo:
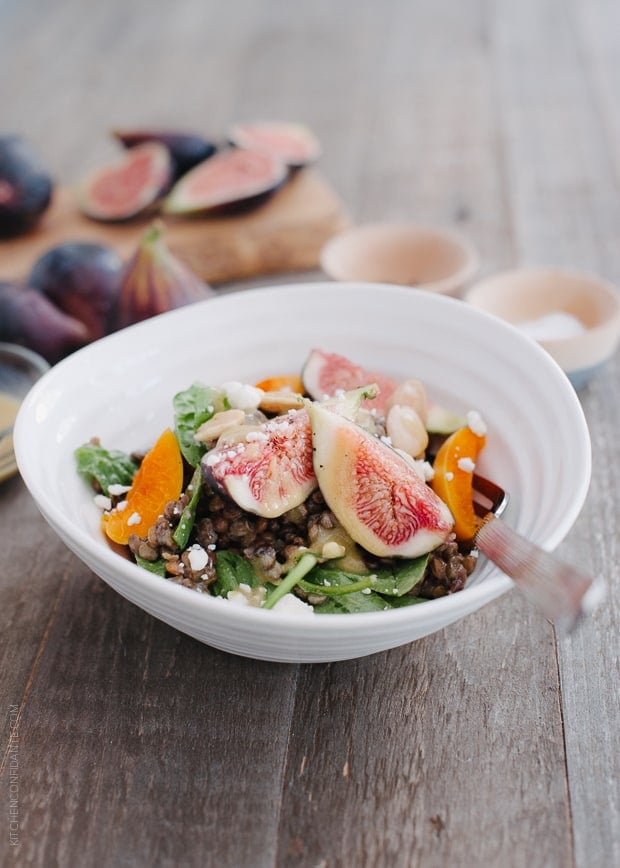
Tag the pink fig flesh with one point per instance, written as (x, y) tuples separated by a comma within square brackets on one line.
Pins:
[(376, 495), (271, 471), (293, 143), (324, 374)]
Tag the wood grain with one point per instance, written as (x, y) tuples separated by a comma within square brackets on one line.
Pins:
[(283, 234), (489, 744)]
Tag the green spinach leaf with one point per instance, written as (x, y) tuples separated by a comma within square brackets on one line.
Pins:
[(193, 407), (105, 467), (232, 570), (158, 567), (188, 516)]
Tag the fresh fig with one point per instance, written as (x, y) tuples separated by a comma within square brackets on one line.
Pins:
[(294, 144), (232, 177), (128, 187), (186, 149), (155, 281), (25, 186), (325, 373), (269, 471), (30, 319), (82, 279), (376, 495)]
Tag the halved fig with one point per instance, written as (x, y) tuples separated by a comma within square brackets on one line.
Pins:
[(375, 494), (268, 472), (325, 373), (129, 186), (294, 144), (186, 149), (231, 177)]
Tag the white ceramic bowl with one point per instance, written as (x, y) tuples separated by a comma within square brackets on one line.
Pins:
[(575, 316), (121, 387), (429, 258)]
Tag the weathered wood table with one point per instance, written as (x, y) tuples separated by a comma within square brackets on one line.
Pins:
[(491, 743)]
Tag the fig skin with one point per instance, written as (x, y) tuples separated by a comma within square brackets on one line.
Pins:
[(82, 279), (30, 319), (186, 149), (233, 179), (155, 281), (25, 186)]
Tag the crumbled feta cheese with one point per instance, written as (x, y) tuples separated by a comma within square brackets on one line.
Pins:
[(332, 549), (242, 396), (366, 591), (198, 557), (256, 435), (102, 502), (466, 464), (385, 439), (476, 423), (449, 476), (134, 518), (425, 470), (116, 490), (292, 605), (121, 506), (244, 595)]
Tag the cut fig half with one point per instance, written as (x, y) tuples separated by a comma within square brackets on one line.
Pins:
[(186, 149), (324, 374), (128, 187), (270, 471), (232, 177), (293, 143), (376, 495)]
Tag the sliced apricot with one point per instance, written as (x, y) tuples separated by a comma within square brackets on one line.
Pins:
[(158, 480), (282, 383), (453, 479)]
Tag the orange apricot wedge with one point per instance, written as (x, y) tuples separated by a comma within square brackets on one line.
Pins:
[(282, 383), (159, 479), (453, 479)]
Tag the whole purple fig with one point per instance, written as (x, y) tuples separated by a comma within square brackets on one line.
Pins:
[(155, 281), (30, 319), (25, 186), (82, 279)]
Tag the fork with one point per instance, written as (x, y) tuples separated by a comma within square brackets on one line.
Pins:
[(561, 592)]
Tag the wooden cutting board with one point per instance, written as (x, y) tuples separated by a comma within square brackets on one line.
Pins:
[(285, 233)]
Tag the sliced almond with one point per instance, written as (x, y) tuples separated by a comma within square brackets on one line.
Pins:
[(280, 402), (218, 425)]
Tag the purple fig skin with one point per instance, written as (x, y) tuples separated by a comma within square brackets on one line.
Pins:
[(82, 279), (155, 281), (31, 320), (186, 149), (25, 186)]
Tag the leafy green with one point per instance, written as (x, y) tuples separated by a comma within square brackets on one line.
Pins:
[(193, 407), (158, 567), (401, 578), (105, 467), (363, 602), (188, 516), (232, 570), (303, 566)]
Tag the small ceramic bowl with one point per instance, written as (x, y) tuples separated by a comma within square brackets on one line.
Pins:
[(573, 315), (438, 260), (19, 370)]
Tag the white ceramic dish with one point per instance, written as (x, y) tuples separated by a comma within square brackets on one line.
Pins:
[(546, 302), (429, 258), (121, 387)]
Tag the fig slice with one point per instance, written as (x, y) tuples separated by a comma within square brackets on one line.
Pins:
[(270, 471), (186, 149), (129, 186), (324, 374), (232, 177), (293, 143), (375, 494)]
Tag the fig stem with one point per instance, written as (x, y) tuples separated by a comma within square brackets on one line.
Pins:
[(303, 566)]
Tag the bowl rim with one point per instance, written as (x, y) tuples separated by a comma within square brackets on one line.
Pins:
[(36, 361), (80, 540), (452, 282)]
